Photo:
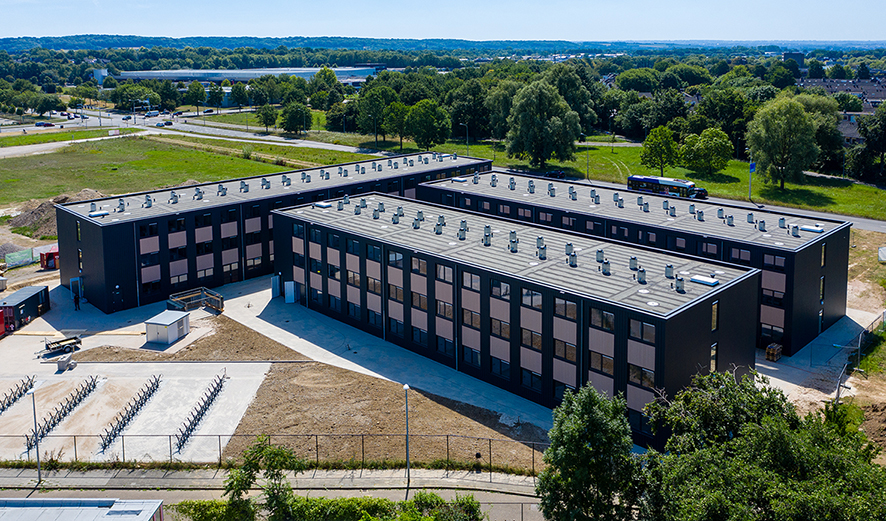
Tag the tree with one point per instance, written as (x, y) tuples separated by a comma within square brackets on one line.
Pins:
[(195, 95), (272, 461), (239, 95), (847, 102), (109, 83), (707, 152), (48, 103), (659, 150), (296, 117), (780, 77), (395, 116), (341, 116), (873, 130), (782, 140), (816, 70), (498, 103), (640, 80), (428, 124), (216, 96), (267, 116), (466, 106), (838, 72), (792, 65), (370, 109), (570, 86), (542, 127), (729, 109), (863, 72), (591, 471)]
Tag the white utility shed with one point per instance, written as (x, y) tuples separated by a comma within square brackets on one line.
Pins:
[(167, 327)]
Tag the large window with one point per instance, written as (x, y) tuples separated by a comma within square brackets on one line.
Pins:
[(316, 266), (739, 255), (419, 336), (773, 298), (333, 241), (714, 357), (560, 389), (395, 259), (531, 298), (602, 319), (471, 281), (470, 318), (565, 308), (374, 319), (640, 376), (176, 225), (445, 346), (471, 356), (353, 278), (444, 273), (314, 235), (772, 333), (531, 380), (530, 339), (564, 350), (444, 309), (501, 290), (201, 221), (824, 247), (419, 301), (500, 328), (204, 248), (715, 315), (373, 253), (395, 327), (419, 266), (147, 230), (642, 331), (178, 253), (354, 310), (298, 230), (352, 246), (373, 285), (395, 293), (335, 303), (773, 262), (821, 290), (600, 362), (500, 368), (333, 272)]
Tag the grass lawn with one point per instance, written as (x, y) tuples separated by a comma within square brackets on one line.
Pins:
[(311, 155), (12, 140), (116, 166), (318, 121)]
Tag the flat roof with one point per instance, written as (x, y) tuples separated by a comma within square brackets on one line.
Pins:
[(167, 318), (657, 296), (57, 509), (22, 295), (740, 230), (162, 205)]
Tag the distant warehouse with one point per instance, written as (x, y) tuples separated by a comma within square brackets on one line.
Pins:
[(528, 308), (127, 251), (804, 261)]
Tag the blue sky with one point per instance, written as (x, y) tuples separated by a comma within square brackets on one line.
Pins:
[(588, 20)]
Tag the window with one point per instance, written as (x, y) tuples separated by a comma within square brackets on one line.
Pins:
[(395, 293), (467, 202), (680, 243), (316, 266), (531, 298), (500, 328), (500, 368), (230, 216), (234, 266), (773, 298), (823, 253), (651, 237), (178, 253), (545, 217), (484, 205), (419, 301), (821, 290), (470, 318), (150, 287), (251, 263), (640, 376), (204, 248), (147, 230), (530, 339), (333, 272), (419, 336), (353, 278), (444, 273), (176, 225), (252, 238), (149, 259), (773, 333), (739, 255), (201, 221), (531, 380), (602, 319), (471, 281), (707, 248), (352, 247), (524, 213), (445, 346), (315, 235), (178, 280), (80, 260), (335, 303), (395, 259), (202, 274), (333, 241), (501, 290), (600, 362), (642, 331), (564, 308), (504, 209), (560, 389), (373, 285), (229, 243), (253, 211), (444, 309), (298, 260), (773, 262), (715, 315), (568, 222), (639, 422), (374, 318), (78, 230), (589, 225), (395, 327), (714, 357), (564, 350), (354, 310), (316, 295), (373, 253), (471, 356), (419, 266), (298, 230)]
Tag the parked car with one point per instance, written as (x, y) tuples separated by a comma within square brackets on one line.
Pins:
[(127, 118), (177, 113), (84, 116), (70, 117), (49, 125), (556, 174), (167, 123), (165, 113), (62, 113), (208, 111), (40, 124), (159, 124)]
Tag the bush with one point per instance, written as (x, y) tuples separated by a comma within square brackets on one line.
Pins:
[(214, 510)]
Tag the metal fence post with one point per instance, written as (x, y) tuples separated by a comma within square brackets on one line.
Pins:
[(490, 460), (448, 461), (75, 449), (170, 448), (533, 460), (317, 448), (363, 451), (123, 444), (219, 452)]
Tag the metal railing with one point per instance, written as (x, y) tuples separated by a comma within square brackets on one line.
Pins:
[(196, 298)]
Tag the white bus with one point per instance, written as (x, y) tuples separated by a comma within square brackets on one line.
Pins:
[(152, 113)]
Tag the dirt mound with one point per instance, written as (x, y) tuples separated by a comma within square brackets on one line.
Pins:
[(39, 216), (9, 248), (875, 423)]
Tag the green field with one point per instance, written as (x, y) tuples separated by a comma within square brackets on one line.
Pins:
[(13, 140), (311, 155), (116, 166), (244, 118)]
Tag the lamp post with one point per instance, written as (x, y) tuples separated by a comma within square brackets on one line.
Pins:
[(405, 392), (467, 147), (36, 438), (611, 135)]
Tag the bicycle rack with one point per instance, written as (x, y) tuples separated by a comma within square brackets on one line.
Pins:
[(61, 411), (16, 393), (199, 411), (129, 411)]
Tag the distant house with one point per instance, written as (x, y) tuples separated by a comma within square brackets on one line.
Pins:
[(798, 57)]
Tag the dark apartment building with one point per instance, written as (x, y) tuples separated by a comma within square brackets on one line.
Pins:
[(123, 252), (529, 308), (804, 261)]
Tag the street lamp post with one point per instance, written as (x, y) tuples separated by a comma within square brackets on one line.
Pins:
[(467, 146), (408, 475), (611, 135), (36, 438)]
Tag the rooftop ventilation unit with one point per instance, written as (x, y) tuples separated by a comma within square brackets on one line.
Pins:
[(173, 197), (426, 160), (599, 255), (692, 209), (463, 225), (680, 285), (531, 186), (400, 211), (476, 178), (633, 262), (461, 234), (646, 207), (640, 200), (346, 199), (781, 222), (396, 165), (487, 230), (605, 268), (621, 202), (307, 180), (512, 245), (487, 239), (357, 209), (458, 180), (512, 184), (395, 219), (761, 225), (493, 181), (795, 230), (730, 221), (198, 193), (244, 186), (222, 190), (411, 163), (707, 281), (362, 170), (542, 252), (266, 185), (325, 175), (421, 215), (750, 217), (569, 248), (441, 220), (380, 167), (381, 206), (341, 169), (91, 207), (665, 204), (669, 271), (816, 228), (121, 205), (672, 211), (597, 199), (303, 175), (287, 181), (455, 157), (341, 206), (323, 204), (512, 236), (551, 190), (362, 202), (641, 275), (615, 197), (699, 215), (416, 223), (98, 214), (373, 165), (593, 193), (539, 241), (375, 213), (720, 213), (344, 173), (573, 260), (572, 194)]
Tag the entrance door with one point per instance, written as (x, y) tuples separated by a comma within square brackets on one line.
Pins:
[(116, 300), (76, 287)]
